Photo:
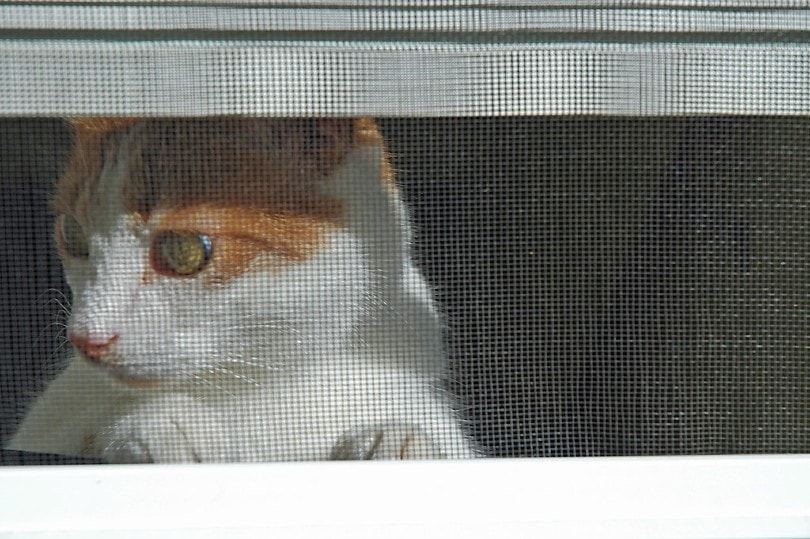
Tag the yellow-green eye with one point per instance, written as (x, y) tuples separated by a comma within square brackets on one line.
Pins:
[(72, 236), (180, 254)]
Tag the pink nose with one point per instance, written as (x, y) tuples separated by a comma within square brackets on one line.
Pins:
[(91, 346)]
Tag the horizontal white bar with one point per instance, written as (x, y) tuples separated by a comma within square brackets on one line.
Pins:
[(660, 4), (200, 78), (237, 17), (740, 497)]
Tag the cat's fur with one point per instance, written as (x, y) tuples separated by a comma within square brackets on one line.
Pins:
[(309, 335)]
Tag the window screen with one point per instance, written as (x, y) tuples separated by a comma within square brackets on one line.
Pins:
[(583, 231)]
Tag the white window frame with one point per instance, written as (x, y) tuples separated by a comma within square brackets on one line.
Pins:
[(650, 497), (59, 73)]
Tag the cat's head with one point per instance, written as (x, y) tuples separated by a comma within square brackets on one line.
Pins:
[(204, 248)]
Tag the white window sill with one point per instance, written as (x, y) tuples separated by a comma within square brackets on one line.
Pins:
[(675, 497)]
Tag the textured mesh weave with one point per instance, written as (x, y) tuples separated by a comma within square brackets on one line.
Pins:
[(610, 209)]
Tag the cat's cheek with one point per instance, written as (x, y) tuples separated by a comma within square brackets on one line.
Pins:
[(330, 289), (78, 274)]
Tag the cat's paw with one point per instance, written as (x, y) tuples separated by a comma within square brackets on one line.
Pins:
[(116, 448), (150, 433), (386, 442)]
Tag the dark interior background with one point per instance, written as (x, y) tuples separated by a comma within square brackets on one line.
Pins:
[(610, 286)]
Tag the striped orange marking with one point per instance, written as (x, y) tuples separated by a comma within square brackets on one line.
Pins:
[(240, 236)]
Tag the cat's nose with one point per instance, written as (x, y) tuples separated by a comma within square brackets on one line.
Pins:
[(92, 346)]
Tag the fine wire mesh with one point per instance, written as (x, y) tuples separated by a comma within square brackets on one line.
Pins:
[(608, 202), (621, 286), (31, 282), (607, 286)]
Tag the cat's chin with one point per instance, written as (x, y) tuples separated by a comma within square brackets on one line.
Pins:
[(125, 376)]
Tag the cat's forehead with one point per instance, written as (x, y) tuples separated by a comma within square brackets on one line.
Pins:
[(272, 165)]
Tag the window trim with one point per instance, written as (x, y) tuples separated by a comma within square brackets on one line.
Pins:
[(672, 497)]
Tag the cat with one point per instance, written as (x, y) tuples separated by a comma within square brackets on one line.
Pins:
[(242, 291)]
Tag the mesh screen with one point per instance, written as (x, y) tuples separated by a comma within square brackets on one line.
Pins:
[(605, 286), (265, 231)]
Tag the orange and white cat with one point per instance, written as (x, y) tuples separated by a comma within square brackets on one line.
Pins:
[(242, 291)]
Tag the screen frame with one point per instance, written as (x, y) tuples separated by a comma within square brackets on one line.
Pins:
[(652, 497)]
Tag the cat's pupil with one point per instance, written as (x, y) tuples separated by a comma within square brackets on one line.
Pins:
[(73, 237), (181, 253)]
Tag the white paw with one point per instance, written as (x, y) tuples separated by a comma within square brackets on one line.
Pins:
[(389, 442), (117, 447), (152, 432)]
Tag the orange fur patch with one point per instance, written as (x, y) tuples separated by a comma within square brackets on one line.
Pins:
[(254, 185), (81, 175), (240, 236)]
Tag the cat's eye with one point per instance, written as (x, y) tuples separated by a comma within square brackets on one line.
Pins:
[(180, 254), (72, 236)]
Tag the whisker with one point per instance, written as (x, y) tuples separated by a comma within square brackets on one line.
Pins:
[(265, 326), (249, 363), (42, 332), (50, 361), (237, 376), (204, 380), (61, 302), (56, 291)]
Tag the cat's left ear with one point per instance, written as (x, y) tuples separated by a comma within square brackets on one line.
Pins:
[(98, 124), (366, 131), (347, 131), (90, 130)]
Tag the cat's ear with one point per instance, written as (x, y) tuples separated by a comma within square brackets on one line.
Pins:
[(327, 140), (98, 124), (366, 131), (358, 136), (334, 138), (349, 131), (90, 130)]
